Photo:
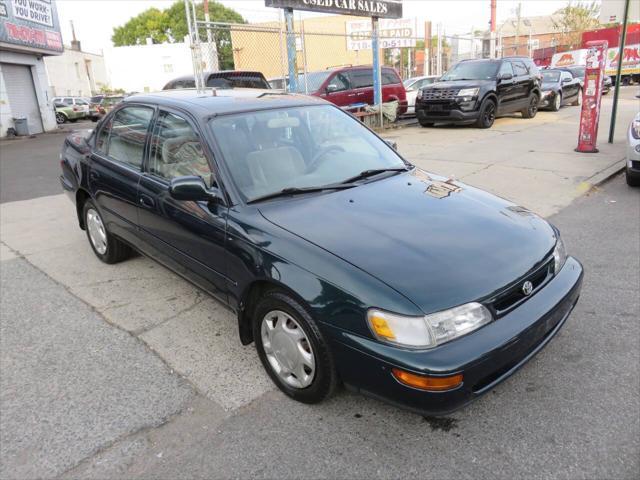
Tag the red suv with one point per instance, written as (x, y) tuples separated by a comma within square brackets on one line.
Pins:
[(347, 86)]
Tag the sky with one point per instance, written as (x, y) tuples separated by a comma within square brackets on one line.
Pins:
[(94, 20)]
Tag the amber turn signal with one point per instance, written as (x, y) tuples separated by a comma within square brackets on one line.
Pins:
[(426, 382)]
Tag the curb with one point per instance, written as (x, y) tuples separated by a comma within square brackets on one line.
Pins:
[(603, 175)]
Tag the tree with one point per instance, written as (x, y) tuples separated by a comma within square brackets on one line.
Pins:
[(576, 18), (170, 25)]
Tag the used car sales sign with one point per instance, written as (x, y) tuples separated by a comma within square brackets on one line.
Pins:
[(37, 11), (362, 8)]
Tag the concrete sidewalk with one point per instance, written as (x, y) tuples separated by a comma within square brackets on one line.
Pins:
[(530, 162)]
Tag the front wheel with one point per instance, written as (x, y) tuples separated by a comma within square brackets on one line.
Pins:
[(532, 108), (632, 180), (292, 348), (487, 114), (426, 124), (106, 247), (557, 102), (60, 118)]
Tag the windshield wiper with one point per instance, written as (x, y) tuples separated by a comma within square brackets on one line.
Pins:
[(285, 192), (372, 172)]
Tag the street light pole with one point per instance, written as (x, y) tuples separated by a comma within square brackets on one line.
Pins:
[(616, 91)]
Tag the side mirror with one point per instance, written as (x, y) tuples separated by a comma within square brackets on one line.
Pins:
[(566, 80), (332, 87), (192, 188), (506, 76)]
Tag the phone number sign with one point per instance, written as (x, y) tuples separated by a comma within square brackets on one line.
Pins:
[(394, 33)]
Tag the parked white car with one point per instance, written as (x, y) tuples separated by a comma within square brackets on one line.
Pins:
[(412, 85), (79, 104), (633, 153)]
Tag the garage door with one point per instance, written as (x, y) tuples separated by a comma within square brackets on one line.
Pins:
[(22, 96)]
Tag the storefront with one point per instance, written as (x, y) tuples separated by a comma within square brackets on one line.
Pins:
[(29, 31)]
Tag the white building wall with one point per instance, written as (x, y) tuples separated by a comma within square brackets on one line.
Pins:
[(39, 74), (147, 68), (76, 73)]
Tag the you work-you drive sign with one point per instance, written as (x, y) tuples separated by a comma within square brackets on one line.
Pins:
[(363, 8)]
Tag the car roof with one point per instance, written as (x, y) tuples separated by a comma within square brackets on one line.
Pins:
[(205, 103)]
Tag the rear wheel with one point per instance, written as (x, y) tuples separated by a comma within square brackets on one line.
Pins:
[(292, 348), (60, 118), (106, 247), (532, 107), (557, 102), (578, 101), (487, 114)]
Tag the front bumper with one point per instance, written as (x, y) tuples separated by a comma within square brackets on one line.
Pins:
[(485, 357), (445, 112)]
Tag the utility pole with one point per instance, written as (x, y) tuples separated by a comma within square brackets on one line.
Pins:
[(492, 28), (518, 16), (616, 91)]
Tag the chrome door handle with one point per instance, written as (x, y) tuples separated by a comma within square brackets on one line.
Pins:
[(146, 201)]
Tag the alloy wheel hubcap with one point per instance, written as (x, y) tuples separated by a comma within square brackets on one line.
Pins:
[(489, 113), (533, 107), (288, 349), (97, 233)]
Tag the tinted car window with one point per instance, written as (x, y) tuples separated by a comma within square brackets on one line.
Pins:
[(68, 101), (128, 134), (389, 77), (472, 70), (315, 81), (237, 80), (176, 150), (520, 69), (361, 78), (102, 139), (506, 68), (566, 75)]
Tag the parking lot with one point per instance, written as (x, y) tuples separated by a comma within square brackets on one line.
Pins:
[(127, 370)]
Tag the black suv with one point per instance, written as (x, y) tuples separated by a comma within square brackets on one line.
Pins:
[(475, 91)]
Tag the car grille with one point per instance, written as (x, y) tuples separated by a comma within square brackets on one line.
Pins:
[(513, 296), (439, 93)]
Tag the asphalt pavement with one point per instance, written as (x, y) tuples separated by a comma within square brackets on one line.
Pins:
[(82, 399)]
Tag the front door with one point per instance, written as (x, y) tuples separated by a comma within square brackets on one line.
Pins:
[(523, 83), (187, 236), (338, 90), (115, 167), (506, 87)]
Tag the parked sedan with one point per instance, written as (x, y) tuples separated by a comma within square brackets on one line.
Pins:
[(559, 88), (342, 260)]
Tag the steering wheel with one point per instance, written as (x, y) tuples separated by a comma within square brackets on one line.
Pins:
[(321, 153)]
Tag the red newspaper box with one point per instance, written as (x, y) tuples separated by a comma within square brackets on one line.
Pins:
[(591, 96)]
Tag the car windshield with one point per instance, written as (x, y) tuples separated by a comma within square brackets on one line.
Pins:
[(550, 76), (301, 147), (471, 71), (314, 80)]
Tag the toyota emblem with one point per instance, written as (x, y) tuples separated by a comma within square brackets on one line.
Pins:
[(527, 288)]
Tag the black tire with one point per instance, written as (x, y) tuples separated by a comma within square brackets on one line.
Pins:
[(325, 377), (487, 114), (116, 250), (578, 101), (626, 81), (426, 124), (532, 109), (557, 102), (632, 180), (60, 118)]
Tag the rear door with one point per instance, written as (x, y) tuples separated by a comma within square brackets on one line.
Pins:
[(523, 84), (569, 85), (115, 168), (361, 80), (187, 236)]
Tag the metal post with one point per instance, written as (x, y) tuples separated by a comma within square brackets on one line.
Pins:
[(439, 51), (303, 41), (291, 50), (212, 50), (616, 91), (377, 72)]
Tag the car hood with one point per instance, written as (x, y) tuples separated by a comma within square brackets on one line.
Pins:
[(439, 243), (459, 84)]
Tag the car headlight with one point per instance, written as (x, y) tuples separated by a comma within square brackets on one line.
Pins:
[(635, 129), (546, 93), (468, 92), (428, 331), (419, 94), (559, 255)]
